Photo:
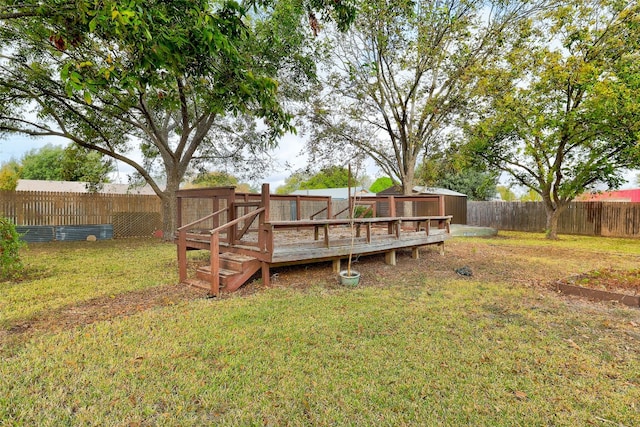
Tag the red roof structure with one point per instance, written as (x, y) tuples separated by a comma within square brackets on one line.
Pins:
[(632, 195)]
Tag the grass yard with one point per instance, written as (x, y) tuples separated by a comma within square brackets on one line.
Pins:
[(101, 335)]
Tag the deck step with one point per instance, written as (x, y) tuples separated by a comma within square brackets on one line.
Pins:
[(204, 273), (236, 262), (234, 271)]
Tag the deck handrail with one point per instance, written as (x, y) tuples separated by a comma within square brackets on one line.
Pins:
[(198, 221), (313, 215), (253, 213), (182, 242), (370, 203), (214, 246), (343, 221)]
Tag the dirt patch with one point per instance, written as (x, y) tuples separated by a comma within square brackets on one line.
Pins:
[(626, 282)]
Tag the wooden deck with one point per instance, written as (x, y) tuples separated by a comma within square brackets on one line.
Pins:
[(242, 239)]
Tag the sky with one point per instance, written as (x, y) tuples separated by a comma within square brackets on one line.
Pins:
[(289, 152)]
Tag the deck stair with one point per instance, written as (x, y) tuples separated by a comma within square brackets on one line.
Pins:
[(235, 270)]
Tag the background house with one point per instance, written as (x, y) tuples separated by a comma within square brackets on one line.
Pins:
[(632, 195), (334, 193), (79, 187)]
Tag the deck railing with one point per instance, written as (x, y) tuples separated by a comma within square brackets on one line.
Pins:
[(183, 235)]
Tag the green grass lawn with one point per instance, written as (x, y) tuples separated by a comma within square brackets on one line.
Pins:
[(63, 273), (417, 346)]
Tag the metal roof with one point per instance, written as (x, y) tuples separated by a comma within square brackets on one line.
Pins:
[(334, 193), (422, 189), (436, 190)]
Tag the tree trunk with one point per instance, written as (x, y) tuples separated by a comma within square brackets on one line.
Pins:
[(407, 190), (552, 224), (553, 215), (169, 211)]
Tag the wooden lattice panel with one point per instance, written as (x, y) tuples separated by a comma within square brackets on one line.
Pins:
[(135, 224)]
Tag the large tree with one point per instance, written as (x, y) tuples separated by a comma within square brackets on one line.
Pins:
[(401, 76), (562, 114), (328, 177), (168, 78)]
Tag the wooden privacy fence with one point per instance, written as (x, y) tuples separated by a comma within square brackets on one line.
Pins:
[(610, 219), (130, 214)]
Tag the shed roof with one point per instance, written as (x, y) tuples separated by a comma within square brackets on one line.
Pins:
[(334, 193), (422, 189)]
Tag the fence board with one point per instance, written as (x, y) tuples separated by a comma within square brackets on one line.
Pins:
[(612, 219), (38, 208)]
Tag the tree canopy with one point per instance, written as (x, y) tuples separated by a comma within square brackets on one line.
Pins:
[(184, 83), (329, 177), (381, 184), (9, 175), (71, 163), (56, 163), (562, 111), (219, 179)]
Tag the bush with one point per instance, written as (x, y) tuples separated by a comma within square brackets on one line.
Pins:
[(362, 212), (10, 263)]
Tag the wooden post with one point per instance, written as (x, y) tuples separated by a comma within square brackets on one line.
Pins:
[(231, 215), (266, 278), (266, 201), (263, 234), (392, 212), (335, 265), (214, 258), (215, 205), (326, 235), (415, 253), (182, 255), (268, 229), (441, 209), (179, 213), (390, 258)]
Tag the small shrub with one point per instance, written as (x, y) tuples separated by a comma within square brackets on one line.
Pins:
[(11, 266), (363, 212)]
